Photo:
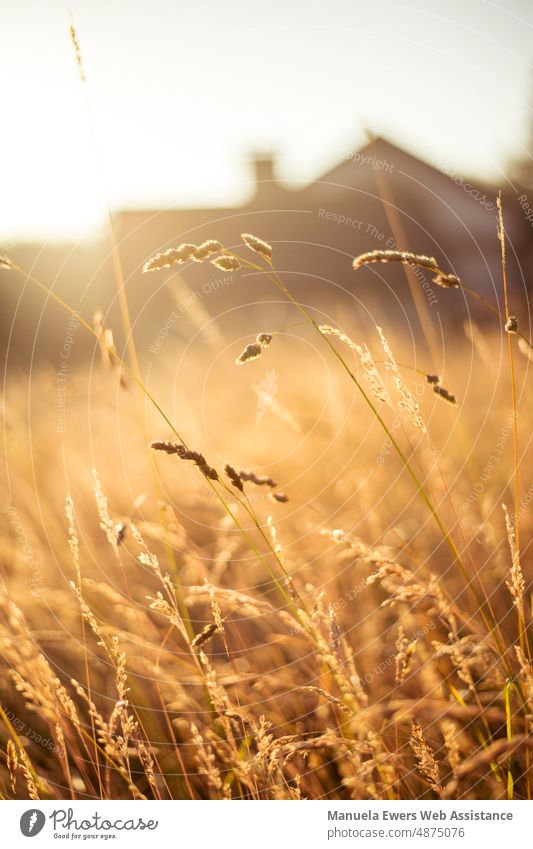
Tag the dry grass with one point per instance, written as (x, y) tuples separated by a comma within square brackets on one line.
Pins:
[(181, 630)]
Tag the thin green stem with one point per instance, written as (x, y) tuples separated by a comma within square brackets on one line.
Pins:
[(401, 454), (131, 373)]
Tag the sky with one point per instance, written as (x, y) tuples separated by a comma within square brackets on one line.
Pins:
[(178, 93)]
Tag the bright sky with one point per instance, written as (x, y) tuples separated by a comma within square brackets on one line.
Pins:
[(178, 90)]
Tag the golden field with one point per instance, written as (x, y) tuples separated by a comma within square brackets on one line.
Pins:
[(360, 629)]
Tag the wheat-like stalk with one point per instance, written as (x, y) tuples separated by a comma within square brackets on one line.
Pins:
[(12, 764), (257, 245), (441, 278), (427, 763)]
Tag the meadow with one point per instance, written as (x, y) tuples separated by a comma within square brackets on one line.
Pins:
[(286, 561)]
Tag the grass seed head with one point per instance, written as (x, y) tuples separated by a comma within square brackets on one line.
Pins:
[(199, 460), (427, 762), (12, 764), (226, 262), (234, 476), (395, 256), (408, 258), (264, 339), (205, 634), (206, 249), (251, 352), (173, 256), (404, 653), (407, 400), (443, 393), (258, 480), (257, 245), (186, 454), (167, 447), (447, 281), (516, 583)]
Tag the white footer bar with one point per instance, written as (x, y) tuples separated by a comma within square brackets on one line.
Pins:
[(266, 825)]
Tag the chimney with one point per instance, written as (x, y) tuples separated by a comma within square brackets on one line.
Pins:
[(263, 165)]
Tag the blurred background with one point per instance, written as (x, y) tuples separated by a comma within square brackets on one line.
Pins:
[(327, 130)]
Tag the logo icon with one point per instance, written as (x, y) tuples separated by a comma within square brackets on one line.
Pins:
[(32, 822)]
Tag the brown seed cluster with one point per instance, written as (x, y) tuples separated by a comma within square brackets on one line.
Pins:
[(443, 393), (258, 480), (234, 476), (511, 325), (439, 390), (199, 460), (238, 478), (185, 454), (167, 447)]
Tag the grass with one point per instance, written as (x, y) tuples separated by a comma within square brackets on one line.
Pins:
[(327, 601)]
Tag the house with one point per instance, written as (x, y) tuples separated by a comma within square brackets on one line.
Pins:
[(377, 197)]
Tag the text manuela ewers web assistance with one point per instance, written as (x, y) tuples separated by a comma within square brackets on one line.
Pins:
[(427, 815)]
